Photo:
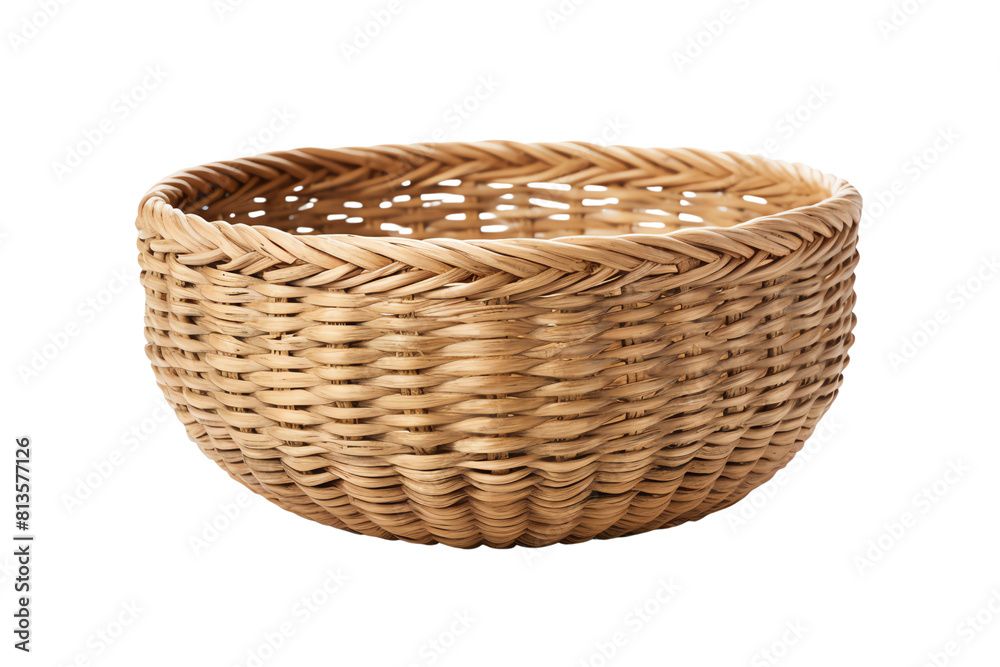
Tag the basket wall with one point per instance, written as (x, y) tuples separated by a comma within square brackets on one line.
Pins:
[(390, 341)]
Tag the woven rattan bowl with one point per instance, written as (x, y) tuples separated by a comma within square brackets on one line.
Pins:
[(499, 343)]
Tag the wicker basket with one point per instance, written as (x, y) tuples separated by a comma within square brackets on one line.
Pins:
[(498, 343)]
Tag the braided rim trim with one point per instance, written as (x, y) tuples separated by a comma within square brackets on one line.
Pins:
[(196, 241)]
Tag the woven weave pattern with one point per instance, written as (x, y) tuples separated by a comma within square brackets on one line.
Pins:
[(498, 343)]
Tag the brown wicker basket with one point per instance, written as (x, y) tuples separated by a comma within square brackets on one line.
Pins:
[(499, 343)]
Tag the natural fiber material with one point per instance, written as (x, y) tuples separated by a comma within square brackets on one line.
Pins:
[(499, 343)]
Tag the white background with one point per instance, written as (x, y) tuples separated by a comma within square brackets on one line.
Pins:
[(869, 548)]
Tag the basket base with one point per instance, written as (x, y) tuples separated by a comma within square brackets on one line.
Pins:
[(614, 516)]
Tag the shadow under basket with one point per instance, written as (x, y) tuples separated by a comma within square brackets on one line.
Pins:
[(499, 343)]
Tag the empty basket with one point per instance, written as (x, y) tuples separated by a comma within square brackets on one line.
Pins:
[(499, 343)]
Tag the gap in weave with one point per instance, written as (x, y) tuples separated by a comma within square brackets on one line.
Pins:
[(453, 208)]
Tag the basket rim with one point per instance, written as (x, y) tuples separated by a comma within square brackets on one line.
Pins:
[(777, 234)]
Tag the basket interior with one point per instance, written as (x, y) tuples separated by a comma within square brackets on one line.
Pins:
[(410, 202)]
